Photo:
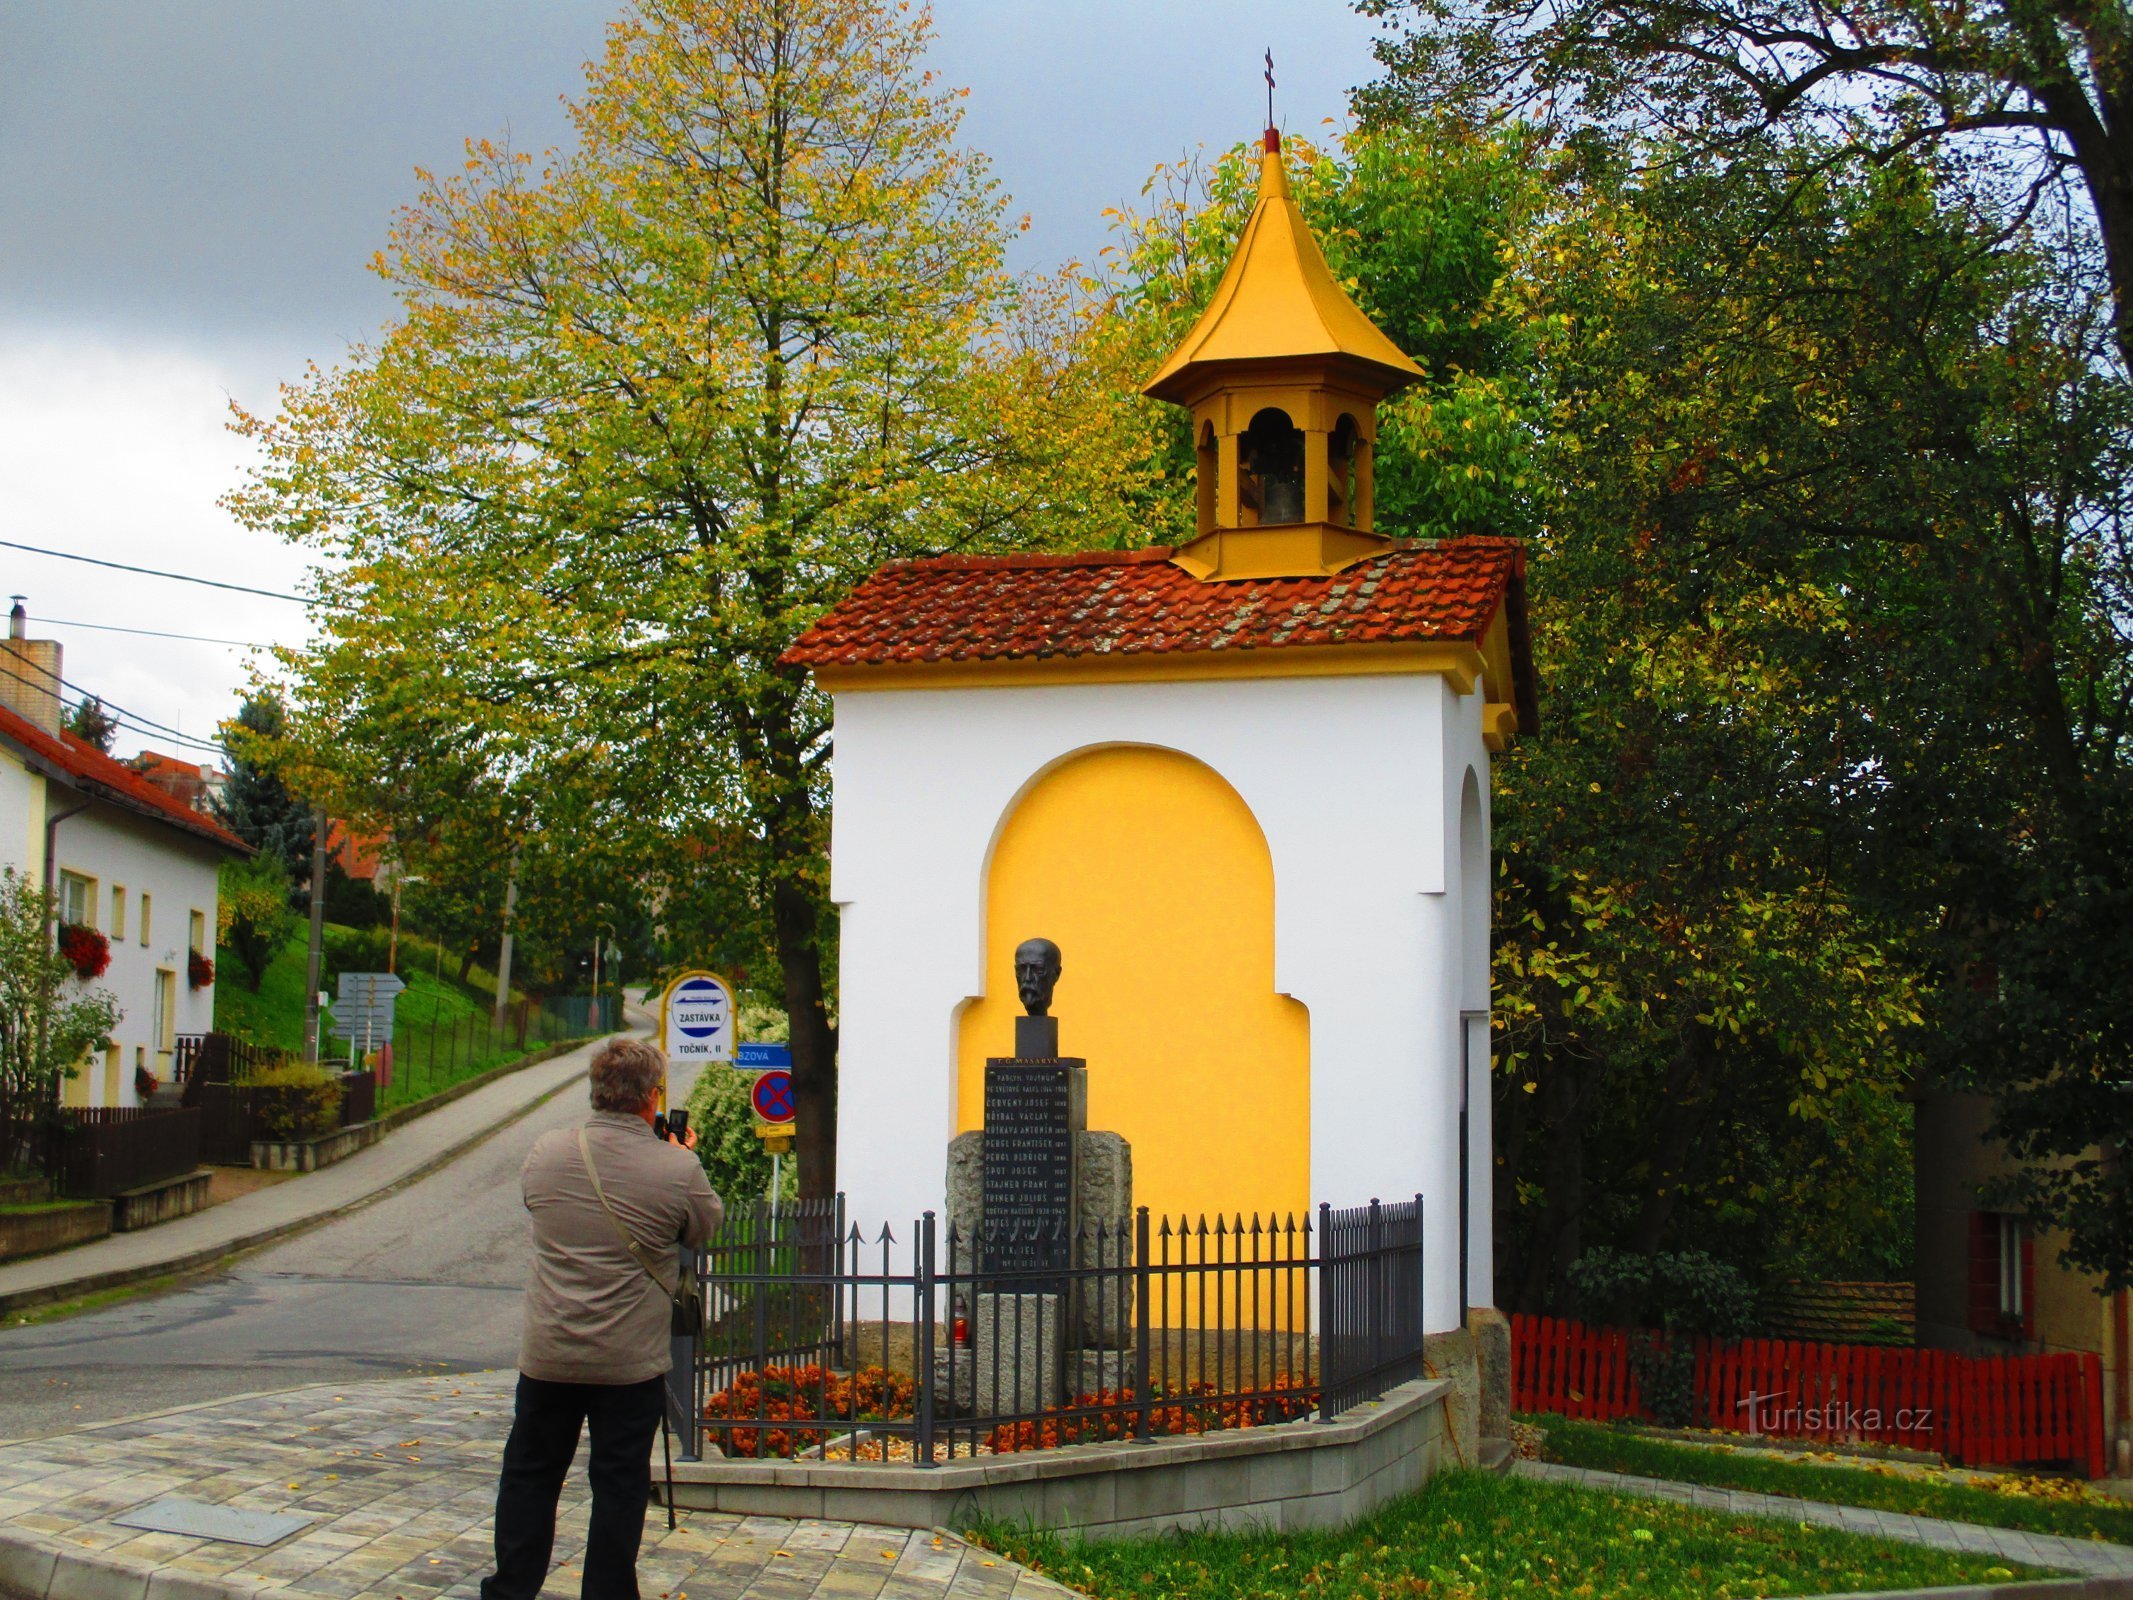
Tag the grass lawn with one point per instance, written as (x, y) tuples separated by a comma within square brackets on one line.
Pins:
[(1470, 1535), (275, 1015), (443, 1031), (2055, 1506)]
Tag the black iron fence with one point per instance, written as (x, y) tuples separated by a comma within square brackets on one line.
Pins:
[(825, 1342), (100, 1151)]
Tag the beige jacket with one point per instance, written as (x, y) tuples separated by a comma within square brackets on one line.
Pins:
[(593, 1315)]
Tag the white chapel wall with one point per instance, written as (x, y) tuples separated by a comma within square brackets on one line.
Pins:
[(1356, 783)]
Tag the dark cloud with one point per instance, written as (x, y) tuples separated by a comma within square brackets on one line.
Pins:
[(222, 170)]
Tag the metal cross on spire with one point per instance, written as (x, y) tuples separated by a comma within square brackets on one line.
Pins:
[(1270, 86)]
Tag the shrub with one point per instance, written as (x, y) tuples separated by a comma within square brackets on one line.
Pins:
[(1670, 1298), (802, 1407), (1196, 1408), (252, 915), (295, 1100)]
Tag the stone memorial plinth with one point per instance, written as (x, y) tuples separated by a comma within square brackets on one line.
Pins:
[(1103, 1163), (1028, 1332)]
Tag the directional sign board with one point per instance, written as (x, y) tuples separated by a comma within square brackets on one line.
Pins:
[(696, 1020), (760, 1057), (363, 1007), (772, 1096)]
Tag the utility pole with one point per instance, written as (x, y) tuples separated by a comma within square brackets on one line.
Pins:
[(503, 959), (314, 963)]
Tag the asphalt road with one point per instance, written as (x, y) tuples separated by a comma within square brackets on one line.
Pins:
[(423, 1280)]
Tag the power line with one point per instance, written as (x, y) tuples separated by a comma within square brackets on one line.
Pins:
[(150, 633), (134, 720), (151, 572)]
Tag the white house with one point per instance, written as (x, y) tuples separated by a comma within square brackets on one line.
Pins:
[(124, 857), (1244, 785)]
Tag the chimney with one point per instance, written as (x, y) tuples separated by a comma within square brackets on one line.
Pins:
[(29, 673)]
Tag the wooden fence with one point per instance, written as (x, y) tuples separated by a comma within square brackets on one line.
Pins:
[(1976, 1410), (104, 1151), (232, 1115)]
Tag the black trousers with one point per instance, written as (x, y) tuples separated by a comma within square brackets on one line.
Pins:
[(544, 1440)]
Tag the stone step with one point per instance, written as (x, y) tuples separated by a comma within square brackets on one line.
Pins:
[(1496, 1456)]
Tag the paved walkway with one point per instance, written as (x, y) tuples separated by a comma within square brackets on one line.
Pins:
[(398, 1478), (2088, 1557), (408, 1152)]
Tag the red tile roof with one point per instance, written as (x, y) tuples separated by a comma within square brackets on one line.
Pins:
[(97, 774), (1004, 608)]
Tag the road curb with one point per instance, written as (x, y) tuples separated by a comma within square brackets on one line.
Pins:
[(195, 1260)]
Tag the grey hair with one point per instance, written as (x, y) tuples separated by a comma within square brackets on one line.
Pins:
[(626, 1074)]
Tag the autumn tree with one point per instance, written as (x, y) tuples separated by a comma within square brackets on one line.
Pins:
[(651, 405)]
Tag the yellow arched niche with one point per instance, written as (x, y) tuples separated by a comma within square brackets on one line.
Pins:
[(1154, 878)]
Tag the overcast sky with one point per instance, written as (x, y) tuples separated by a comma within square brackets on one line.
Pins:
[(189, 193)]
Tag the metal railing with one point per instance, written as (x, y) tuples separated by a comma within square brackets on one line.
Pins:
[(825, 1341)]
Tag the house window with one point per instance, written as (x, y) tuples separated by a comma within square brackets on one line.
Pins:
[(2002, 1276), (118, 911), (166, 1022), (2013, 1302), (196, 933), (77, 899), (147, 905)]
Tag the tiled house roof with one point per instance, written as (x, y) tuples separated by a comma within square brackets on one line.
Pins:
[(1009, 608), (90, 770)]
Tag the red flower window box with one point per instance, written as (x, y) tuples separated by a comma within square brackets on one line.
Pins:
[(85, 950), (199, 971)]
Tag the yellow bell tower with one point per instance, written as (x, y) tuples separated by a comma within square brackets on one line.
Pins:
[(1282, 374)]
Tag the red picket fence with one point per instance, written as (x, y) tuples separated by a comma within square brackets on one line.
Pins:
[(1977, 1410)]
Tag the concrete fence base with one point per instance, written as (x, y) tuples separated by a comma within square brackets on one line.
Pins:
[(160, 1202), (308, 1155), (1288, 1475)]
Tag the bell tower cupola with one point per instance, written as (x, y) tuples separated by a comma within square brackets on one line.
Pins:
[(1282, 374)]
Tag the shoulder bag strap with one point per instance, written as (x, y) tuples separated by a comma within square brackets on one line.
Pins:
[(638, 1253)]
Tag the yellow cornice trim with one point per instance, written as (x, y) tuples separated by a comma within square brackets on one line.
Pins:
[(1278, 550), (1449, 658), (1499, 725)]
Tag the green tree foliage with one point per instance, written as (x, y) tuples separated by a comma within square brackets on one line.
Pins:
[(649, 408), (90, 721), (1898, 382), (2026, 102), (49, 1023), (255, 803), (252, 916)]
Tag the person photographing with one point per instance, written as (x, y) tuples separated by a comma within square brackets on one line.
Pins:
[(612, 1204)]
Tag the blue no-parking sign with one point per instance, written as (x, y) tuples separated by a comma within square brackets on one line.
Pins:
[(772, 1096)]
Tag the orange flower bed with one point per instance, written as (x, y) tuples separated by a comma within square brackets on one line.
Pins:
[(798, 1408), (1196, 1408)]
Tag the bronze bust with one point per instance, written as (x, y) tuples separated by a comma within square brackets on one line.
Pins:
[(1037, 968)]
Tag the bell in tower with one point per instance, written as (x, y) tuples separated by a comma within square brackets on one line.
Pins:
[(1283, 374)]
